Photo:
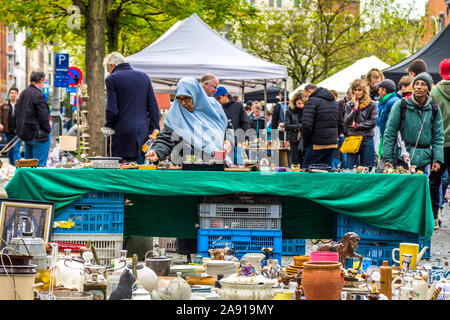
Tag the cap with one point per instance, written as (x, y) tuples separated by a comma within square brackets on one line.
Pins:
[(444, 69), (220, 91), (388, 84), (424, 76)]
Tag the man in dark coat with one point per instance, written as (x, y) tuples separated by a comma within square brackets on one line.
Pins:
[(233, 109), (322, 124), (33, 120), (8, 124), (278, 114), (131, 108)]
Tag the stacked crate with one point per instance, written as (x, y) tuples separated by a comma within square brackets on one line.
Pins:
[(98, 217), (376, 243), (244, 222)]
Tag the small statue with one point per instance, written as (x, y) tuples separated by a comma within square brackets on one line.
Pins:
[(286, 279), (268, 252), (125, 288), (346, 248)]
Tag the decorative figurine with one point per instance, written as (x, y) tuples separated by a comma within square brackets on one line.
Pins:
[(346, 248), (125, 288)]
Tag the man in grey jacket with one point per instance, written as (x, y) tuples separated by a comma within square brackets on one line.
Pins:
[(441, 96)]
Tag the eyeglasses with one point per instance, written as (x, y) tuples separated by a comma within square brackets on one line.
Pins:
[(215, 87), (180, 99)]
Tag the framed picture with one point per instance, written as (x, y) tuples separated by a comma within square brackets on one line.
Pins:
[(18, 216)]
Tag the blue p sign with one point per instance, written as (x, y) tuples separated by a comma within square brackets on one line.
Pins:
[(62, 62)]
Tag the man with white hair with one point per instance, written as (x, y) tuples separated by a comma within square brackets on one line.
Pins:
[(209, 83), (131, 108)]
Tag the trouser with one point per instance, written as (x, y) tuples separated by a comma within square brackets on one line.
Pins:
[(365, 156), (14, 152), (296, 154), (443, 189), (435, 180), (323, 156), (37, 150)]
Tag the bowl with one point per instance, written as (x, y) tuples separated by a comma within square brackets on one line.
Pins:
[(299, 260), (324, 256)]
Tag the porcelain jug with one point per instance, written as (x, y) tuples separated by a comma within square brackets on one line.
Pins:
[(421, 288)]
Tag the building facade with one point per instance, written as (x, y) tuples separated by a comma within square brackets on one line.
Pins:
[(17, 62), (437, 17)]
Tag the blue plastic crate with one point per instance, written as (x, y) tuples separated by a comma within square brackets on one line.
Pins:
[(241, 240), (95, 212), (294, 247), (379, 251), (101, 197), (344, 224)]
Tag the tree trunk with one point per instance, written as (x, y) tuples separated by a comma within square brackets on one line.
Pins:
[(113, 30), (95, 52)]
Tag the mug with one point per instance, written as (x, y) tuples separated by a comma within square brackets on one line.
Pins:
[(406, 261), (407, 248)]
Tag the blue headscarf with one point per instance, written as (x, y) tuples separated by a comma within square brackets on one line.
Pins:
[(204, 128)]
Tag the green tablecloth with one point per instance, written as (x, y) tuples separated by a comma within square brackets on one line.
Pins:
[(400, 202)]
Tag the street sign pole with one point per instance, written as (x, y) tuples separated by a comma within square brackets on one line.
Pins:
[(56, 115), (61, 68), (77, 106)]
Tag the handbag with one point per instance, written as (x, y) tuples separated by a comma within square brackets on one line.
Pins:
[(351, 144)]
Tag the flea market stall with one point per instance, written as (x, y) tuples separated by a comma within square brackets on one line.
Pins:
[(384, 208)]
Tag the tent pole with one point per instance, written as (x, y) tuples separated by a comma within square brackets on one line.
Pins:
[(285, 93), (265, 104), (243, 92)]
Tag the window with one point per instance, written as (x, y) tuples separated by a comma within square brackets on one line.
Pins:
[(279, 3), (271, 3), (11, 36), (10, 64)]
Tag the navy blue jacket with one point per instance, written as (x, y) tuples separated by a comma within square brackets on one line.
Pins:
[(32, 115), (131, 110), (322, 121), (384, 108)]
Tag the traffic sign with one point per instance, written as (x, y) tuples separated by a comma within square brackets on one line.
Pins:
[(75, 72), (71, 89), (61, 80), (62, 62), (61, 77)]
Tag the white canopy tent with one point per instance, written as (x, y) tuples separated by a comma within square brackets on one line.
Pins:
[(190, 48), (341, 80)]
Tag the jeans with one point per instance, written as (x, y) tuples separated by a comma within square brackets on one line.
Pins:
[(365, 156), (37, 150), (443, 189), (435, 181), (296, 154), (342, 156), (14, 153), (323, 156)]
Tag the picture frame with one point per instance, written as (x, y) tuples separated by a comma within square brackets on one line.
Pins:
[(40, 212)]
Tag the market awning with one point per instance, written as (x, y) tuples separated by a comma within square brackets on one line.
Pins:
[(190, 48)]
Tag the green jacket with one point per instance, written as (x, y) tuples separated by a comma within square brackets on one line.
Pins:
[(441, 96), (432, 134)]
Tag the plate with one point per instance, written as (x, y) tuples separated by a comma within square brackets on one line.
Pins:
[(201, 288)]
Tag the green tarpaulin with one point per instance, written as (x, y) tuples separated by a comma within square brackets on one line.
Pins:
[(168, 198)]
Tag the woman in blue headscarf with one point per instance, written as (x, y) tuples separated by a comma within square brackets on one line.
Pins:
[(194, 123)]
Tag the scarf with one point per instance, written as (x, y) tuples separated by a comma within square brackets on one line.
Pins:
[(414, 101), (365, 103), (204, 128)]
